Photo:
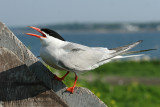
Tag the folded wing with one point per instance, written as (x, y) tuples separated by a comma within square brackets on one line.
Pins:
[(80, 58)]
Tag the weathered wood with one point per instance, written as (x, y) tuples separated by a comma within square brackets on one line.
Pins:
[(45, 99), (82, 97), (19, 86)]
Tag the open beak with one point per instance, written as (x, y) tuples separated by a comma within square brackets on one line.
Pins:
[(37, 29)]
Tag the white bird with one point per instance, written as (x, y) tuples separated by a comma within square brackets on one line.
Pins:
[(73, 57)]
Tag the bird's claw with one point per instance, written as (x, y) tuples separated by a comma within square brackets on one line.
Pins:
[(70, 89)]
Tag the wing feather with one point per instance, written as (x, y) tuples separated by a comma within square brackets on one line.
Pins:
[(83, 58), (79, 57)]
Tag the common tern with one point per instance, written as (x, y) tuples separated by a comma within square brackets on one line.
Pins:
[(73, 57)]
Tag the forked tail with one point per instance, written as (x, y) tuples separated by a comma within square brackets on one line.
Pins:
[(120, 51)]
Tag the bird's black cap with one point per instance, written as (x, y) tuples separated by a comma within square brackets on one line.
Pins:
[(52, 33)]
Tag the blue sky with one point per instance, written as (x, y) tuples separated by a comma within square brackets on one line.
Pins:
[(31, 12)]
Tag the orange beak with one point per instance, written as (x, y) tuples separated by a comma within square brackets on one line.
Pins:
[(37, 29)]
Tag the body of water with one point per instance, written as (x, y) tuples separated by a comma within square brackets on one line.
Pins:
[(109, 40)]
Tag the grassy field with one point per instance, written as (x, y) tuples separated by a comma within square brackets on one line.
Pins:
[(133, 94)]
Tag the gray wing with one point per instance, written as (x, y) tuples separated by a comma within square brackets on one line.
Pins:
[(83, 58), (79, 57)]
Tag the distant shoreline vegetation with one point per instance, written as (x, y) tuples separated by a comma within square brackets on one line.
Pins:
[(102, 27)]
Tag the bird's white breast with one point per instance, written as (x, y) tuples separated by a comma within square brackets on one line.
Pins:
[(50, 55)]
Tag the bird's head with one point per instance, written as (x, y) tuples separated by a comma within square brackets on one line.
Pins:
[(46, 33)]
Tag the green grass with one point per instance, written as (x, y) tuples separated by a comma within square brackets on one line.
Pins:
[(130, 68), (131, 95)]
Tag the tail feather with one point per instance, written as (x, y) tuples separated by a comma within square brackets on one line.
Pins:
[(128, 56), (129, 46), (120, 50), (133, 52)]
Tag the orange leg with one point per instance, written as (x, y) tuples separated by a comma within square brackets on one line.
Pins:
[(60, 79), (71, 89)]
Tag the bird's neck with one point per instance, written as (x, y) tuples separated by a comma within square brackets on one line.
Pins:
[(51, 41)]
